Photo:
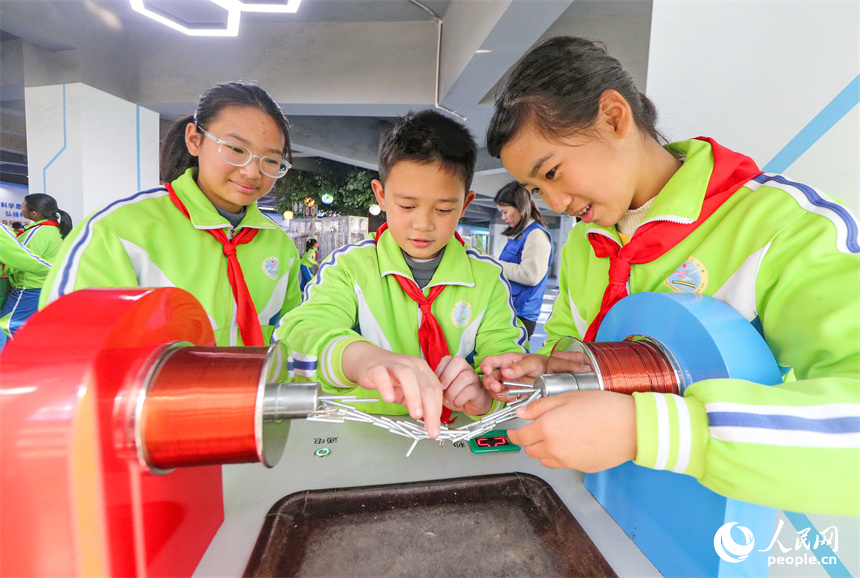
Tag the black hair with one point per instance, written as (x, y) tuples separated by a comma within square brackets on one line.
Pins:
[(175, 158), (515, 195), (310, 244), (556, 87), (427, 137), (46, 205)]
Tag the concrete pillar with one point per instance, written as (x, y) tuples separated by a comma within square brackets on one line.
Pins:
[(87, 148)]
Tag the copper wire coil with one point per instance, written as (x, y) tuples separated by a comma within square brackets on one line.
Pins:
[(200, 407), (628, 366)]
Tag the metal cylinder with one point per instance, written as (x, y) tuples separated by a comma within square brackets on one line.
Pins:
[(216, 405), (637, 363), (277, 405), (556, 383)]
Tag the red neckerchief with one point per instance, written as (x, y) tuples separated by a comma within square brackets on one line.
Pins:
[(246, 315), (430, 335), (731, 171), (33, 226)]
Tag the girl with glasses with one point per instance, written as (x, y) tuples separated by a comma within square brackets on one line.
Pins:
[(202, 230)]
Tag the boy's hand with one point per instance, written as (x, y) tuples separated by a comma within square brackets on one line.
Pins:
[(463, 389), (511, 367), (399, 378), (589, 431)]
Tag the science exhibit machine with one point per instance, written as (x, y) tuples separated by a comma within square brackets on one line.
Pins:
[(131, 446)]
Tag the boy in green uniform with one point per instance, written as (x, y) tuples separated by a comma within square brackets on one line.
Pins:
[(407, 316)]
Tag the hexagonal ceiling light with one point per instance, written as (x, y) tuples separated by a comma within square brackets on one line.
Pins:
[(291, 7), (234, 10)]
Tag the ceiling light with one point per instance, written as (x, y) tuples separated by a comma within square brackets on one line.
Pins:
[(291, 7), (234, 10), (232, 29)]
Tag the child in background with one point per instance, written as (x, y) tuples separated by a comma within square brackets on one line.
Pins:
[(42, 237), (15, 257), (406, 317), (309, 262), (202, 231), (579, 134)]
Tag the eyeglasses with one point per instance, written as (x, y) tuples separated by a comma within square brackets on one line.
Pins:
[(239, 156)]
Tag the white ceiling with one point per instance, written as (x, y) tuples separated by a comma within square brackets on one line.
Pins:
[(341, 69)]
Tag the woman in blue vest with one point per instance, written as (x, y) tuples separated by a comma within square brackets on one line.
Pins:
[(527, 255)]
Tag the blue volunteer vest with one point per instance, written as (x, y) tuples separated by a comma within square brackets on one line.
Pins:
[(527, 299)]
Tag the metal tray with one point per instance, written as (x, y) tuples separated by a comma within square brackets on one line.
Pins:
[(498, 525)]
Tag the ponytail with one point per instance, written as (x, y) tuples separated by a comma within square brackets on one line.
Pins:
[(65, 222), (175, 158), (46, 205)]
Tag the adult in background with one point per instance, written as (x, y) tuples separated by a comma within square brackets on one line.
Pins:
[(528, 253)]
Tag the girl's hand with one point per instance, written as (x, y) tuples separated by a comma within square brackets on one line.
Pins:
[(462, 386), (589, 431), (568, 362), (399, 378), (522, 367)]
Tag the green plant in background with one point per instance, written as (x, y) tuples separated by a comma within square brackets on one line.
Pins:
[(351, 193)]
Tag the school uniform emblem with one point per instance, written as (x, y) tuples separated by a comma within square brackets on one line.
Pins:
[(271, 267), (690, 277), (461, 314)]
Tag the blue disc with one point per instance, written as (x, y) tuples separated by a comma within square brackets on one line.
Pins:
[(707, 338)]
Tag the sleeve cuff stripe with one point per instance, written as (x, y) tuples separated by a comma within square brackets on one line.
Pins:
[(330, 373), (685, 435), (663, 433), (305, 365)]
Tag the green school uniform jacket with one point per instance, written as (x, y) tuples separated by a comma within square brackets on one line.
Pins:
[(357, 298), (786, 257), (309, 259), (41, 240), (18, 258), (145, 241)]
